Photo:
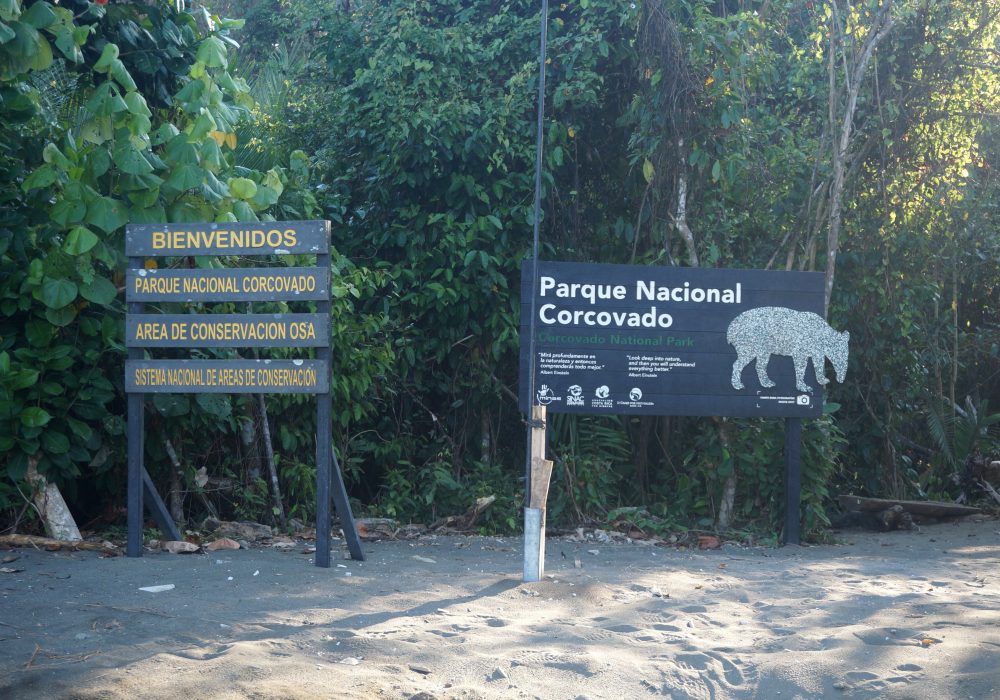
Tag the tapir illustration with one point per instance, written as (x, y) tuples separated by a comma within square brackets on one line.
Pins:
[(774, 330)]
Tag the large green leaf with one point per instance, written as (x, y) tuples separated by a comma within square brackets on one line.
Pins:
[(68, 211), (39, 15), (100, 291), (105, 101), (55, 443), (243, 187), (218, 405), (108, 55), (24, 378), (129, 160), (66, 42), (57, 293), (34, 417), (9, 9), (137, 104), (17, 465), (80, 240), (212, 53), (61, 317), (107, 214), (121, 75), (43, 54), (185, 177), (171, 405), (38, 333), (42, 176), (147, 215)]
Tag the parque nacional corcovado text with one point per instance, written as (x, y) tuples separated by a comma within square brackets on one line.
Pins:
[(644, 290), (253, 283)]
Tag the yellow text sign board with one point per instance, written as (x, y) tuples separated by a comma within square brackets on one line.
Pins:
[(238, 284), (227, 376), (227, 330), (257, 238)]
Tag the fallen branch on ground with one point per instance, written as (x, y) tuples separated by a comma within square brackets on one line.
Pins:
[(51, 544), (467, 519)]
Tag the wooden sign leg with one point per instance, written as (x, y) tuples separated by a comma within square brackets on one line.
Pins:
[(158, 509), (793, 479), (329, 479), (343, 505), (136, 437), (538, 493), (330, 486), (323, 451)]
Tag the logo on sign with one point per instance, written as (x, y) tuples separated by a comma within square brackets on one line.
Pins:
[(545, 395), (802, 400), (635, 394), (602, 392), (575, 396)]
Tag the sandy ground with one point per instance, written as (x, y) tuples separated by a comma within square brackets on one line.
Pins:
[(894, 615)]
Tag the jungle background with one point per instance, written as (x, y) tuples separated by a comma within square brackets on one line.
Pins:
[(858, 139)]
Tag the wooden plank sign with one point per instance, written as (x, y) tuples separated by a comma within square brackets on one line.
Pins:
[(227, 330), (236, 284), (258, 238), (227, 376)]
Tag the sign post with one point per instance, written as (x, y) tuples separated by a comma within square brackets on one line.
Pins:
[(296, 330), (642, 340)]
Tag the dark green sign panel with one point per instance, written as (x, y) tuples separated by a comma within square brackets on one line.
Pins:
[(240, 284), (629, 339), (258, 238), (226, 376), (227, 330)]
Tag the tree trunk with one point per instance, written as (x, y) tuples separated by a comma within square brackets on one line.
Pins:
[(52, 508), (680, 218), (727, 501), (853, 76)]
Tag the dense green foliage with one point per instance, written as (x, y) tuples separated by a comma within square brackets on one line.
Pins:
[(857, 140)]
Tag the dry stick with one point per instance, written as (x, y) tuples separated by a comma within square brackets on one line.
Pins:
[(272, 469), (988, 488), (265, 425), (38, 648)]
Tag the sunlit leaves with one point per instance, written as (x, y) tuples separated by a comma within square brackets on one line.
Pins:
[(80, 240), (212, 53), (106, 213)]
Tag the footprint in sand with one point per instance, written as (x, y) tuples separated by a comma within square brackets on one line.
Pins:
[(202, 653), (703, 676)]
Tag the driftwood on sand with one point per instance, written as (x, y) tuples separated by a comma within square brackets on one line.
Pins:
[(53, 544), (887, 514)]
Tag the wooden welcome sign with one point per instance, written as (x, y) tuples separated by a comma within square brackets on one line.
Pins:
[(149, 331)]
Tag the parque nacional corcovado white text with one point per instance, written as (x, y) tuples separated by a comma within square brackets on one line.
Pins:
[(551, 314)]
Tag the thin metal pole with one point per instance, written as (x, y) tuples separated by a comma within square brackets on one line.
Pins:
[(324, 445), (539, 142)]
